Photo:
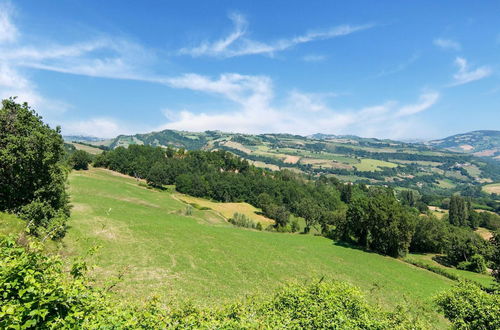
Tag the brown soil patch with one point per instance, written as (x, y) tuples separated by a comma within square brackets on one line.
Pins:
[(466, 147), (291, 159)]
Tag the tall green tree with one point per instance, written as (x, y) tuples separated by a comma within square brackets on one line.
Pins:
[(31, 169), (458, 211), (80, 160), (495, 260)]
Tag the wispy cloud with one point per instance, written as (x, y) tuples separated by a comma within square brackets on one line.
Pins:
[(447, 44), (13, 81), (466, 75), (399, 67), (426, 100), (237, 44), (258, 111), (8, 31)]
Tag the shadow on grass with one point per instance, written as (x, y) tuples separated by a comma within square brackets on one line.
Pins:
[(351, 245), (442, 260)]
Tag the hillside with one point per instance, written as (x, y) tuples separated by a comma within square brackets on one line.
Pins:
[(349, 158), (478, 143), (146, 236)]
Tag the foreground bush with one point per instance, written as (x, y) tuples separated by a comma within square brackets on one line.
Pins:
[(36, 292), (469, 307)]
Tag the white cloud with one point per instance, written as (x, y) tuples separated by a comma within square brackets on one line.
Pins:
[(301, 113), (447, 44), (236, 44), (426, 100), (466, 75), (8, 31), (99, 127)]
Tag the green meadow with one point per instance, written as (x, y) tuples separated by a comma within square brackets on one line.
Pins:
[(157, 247)]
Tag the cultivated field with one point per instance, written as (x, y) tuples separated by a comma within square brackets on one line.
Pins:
[(227, 210), (145, 236), (90, 150), (367, 164), (493, 188)]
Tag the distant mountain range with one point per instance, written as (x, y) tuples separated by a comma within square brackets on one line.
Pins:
[(478, 143), (81, 138), (436, 167), (485, 143)]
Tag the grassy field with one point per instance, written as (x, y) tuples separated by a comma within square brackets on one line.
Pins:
[(492, 188), (10, 224), (367, 164), (90, 150), (144, 235)]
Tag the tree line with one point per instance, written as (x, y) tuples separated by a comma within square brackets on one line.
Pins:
[(375, 218)]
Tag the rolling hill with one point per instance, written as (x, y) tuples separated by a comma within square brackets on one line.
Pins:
[(426, 168), (147, 238), (478, 143)]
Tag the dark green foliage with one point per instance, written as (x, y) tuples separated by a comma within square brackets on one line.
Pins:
[(80, 160), (489, 220), (157, 176), (32, 177), (495, 260), (476, 264), (409, 197), (458, 211), (380, 223), (469, 307), (37, 293), (431, 235), (43, 220), (464, 244)]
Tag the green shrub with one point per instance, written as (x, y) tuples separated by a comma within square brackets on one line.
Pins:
[(469, 307), (43, 220), (188, 210), (241, 220), (476, 264)]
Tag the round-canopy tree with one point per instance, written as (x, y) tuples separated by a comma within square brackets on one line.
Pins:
[(31, 155)]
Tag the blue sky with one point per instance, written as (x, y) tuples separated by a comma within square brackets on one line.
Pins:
[(388, 69)]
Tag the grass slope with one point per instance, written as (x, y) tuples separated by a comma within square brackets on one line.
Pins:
[(227, 210), (143, 233), (89, 149)]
